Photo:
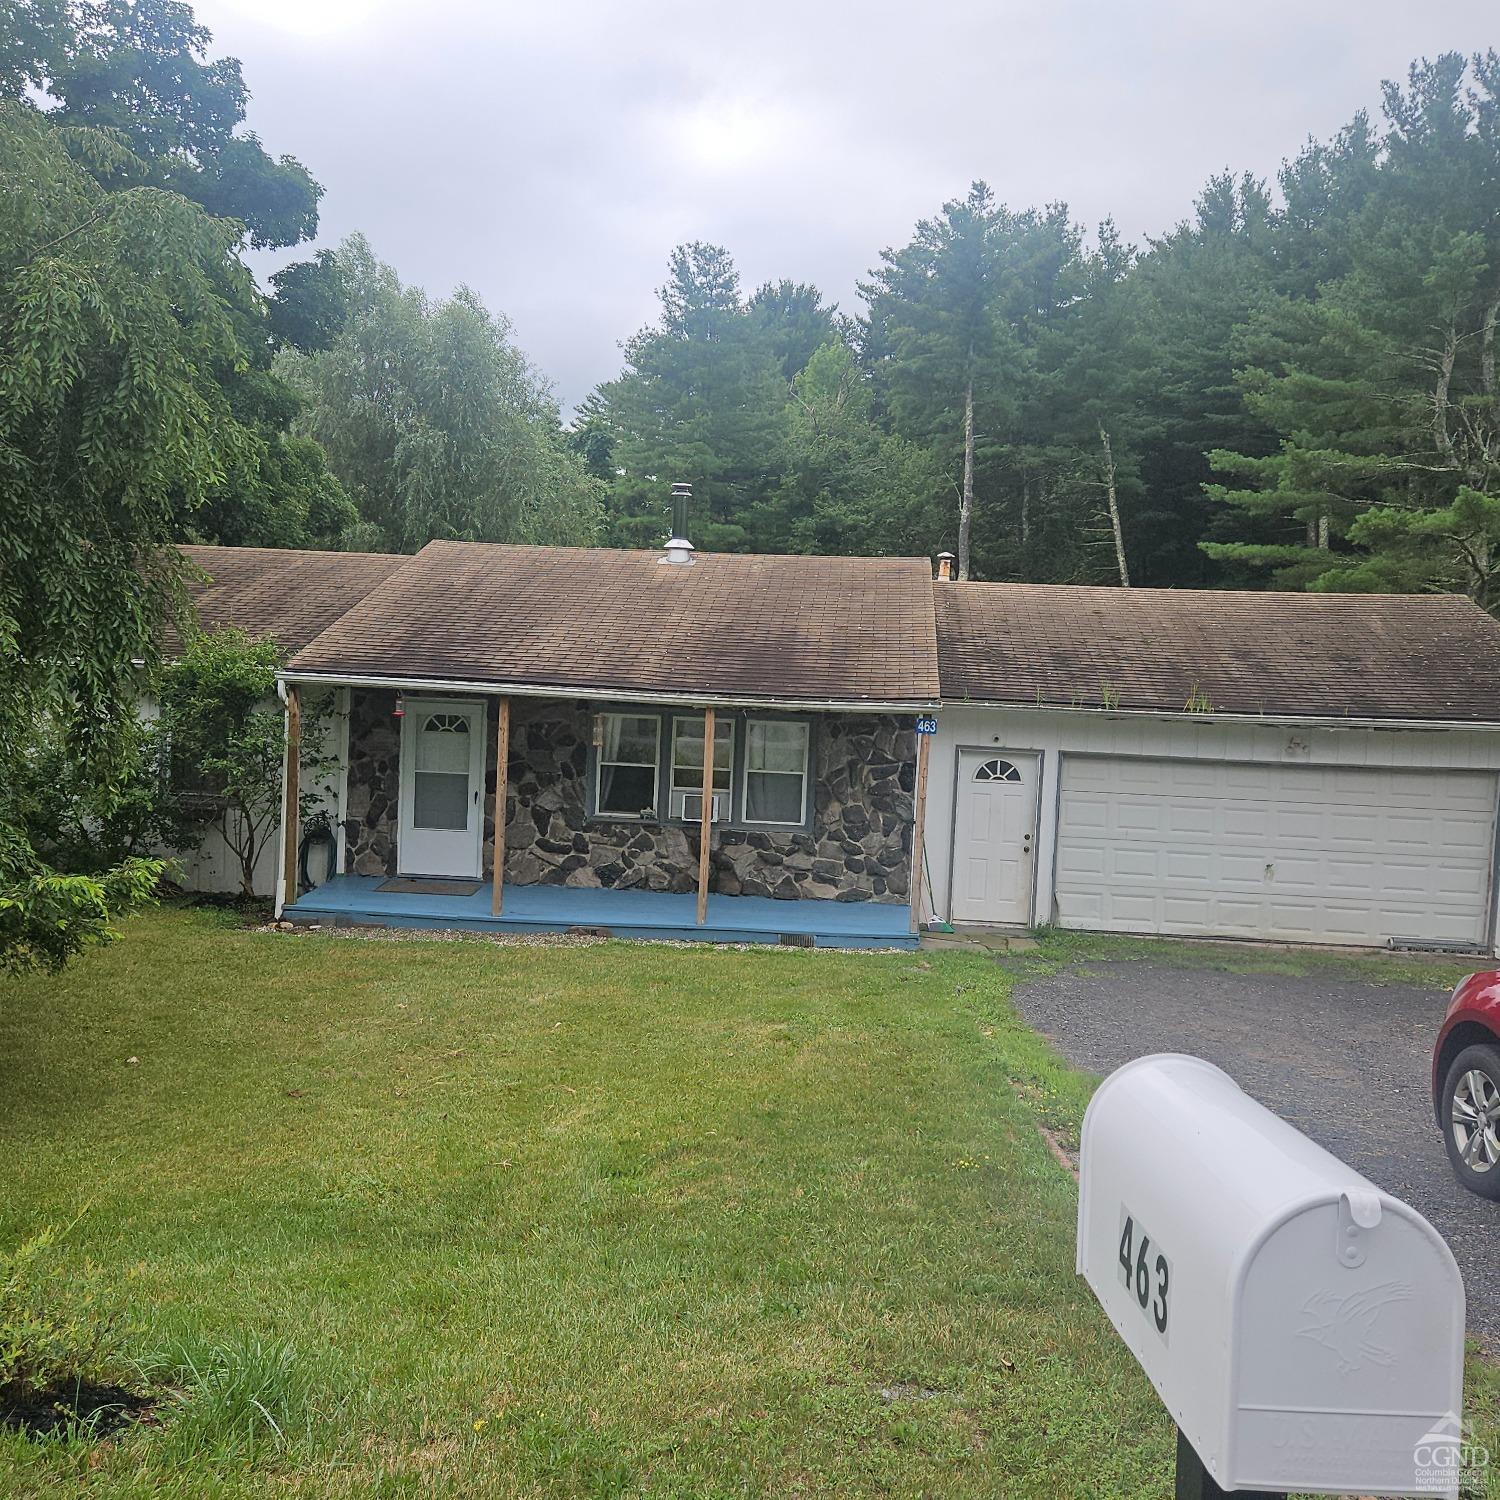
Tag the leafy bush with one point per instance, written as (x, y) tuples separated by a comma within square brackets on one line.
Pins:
[(83, 826), (226, 735), (76, 834), (53, 1335), (46, 918)]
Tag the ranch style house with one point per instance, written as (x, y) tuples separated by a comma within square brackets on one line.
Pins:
[(841, 751)]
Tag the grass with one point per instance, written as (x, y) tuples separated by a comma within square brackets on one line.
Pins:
[(414, 1217)]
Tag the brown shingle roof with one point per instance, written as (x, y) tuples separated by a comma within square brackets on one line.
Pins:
[(277, 592), (1371, 656), (808, 629)]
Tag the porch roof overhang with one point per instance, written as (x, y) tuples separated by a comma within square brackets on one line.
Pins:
[(604, 693)]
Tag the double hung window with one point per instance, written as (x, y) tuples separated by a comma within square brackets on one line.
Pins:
[(775, 785), (687, 768), (626, 767)]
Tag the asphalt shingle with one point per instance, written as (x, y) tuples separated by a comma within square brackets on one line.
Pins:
[(1358, 656), (793, 629), (273, 591)]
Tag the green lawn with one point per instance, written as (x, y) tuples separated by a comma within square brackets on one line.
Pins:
[(530, 1220)]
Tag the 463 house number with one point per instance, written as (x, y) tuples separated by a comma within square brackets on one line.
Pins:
[(1145, 1270)]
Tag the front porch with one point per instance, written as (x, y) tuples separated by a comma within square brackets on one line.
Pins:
[(360, 901)]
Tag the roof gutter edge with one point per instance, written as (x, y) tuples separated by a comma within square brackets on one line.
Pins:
[(1319, 721), (613, 695)]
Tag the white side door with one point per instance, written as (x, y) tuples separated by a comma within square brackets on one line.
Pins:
[(442, 787), (994, 838)]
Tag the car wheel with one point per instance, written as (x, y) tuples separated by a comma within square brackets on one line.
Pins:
[(1471, 1118)]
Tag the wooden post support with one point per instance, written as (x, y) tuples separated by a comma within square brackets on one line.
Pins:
[(1194, 1482), (502, 787), (705, 828), (919, 824), (291, 806)]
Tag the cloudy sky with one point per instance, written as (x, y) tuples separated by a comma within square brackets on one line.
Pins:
[(550, 155)]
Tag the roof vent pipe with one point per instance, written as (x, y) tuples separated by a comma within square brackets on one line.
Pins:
[(679, 549), (945, 567)]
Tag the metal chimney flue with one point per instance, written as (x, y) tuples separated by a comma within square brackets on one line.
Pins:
[(679, 548)]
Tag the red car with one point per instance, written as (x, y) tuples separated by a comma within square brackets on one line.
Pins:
[(1466, 1082)]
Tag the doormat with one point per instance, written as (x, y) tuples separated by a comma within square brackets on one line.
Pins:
[(410, 885)]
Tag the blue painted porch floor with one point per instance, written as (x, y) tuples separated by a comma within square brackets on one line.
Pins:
[(357, 900)]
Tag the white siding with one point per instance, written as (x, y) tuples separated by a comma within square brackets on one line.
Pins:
[(214, 868), (1055, 733)]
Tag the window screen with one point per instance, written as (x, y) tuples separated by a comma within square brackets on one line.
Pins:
[(440, 782)]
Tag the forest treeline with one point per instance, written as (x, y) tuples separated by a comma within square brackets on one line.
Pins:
[(1294, 388)]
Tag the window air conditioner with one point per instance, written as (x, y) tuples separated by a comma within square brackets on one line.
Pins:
[(692, 807)]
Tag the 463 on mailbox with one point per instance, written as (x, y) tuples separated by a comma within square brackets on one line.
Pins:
[(1145, 1270)]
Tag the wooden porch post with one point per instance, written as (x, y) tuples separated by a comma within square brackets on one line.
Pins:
[(919, 822), (502, 782), (290, 805), (705, 828)]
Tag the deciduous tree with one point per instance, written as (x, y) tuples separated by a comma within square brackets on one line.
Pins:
[(848, 486), (141, 70), (225, 732), (435, 422), (111, 423)]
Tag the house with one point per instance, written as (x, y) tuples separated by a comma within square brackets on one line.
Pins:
[(610, 688), (1296, 767), (1299, 767)]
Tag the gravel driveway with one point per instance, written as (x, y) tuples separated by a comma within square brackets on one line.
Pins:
[(1344, 1061)]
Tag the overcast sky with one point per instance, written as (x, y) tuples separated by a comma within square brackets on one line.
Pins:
[(550, 155)]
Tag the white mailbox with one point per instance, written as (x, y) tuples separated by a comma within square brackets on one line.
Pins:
[(1303, 1328)]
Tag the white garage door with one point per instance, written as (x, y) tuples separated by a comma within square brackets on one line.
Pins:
[(1328, 854)]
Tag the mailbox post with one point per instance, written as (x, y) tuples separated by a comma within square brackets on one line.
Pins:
[(1303, 1328), (1194, 1482)]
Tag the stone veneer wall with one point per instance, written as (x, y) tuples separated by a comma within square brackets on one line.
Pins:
[(859, 847), (374, 783)]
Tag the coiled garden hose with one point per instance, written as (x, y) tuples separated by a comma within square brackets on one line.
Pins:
[(319, 831)]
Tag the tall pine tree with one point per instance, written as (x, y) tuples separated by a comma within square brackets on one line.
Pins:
[(1383, 389)]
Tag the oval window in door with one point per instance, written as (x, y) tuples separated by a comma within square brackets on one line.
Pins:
[(996, 770)]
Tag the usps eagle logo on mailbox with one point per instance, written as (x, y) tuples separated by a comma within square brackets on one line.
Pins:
[(1345, 1323)]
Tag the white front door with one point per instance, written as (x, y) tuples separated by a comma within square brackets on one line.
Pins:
[(994, 841), (442, 787)]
